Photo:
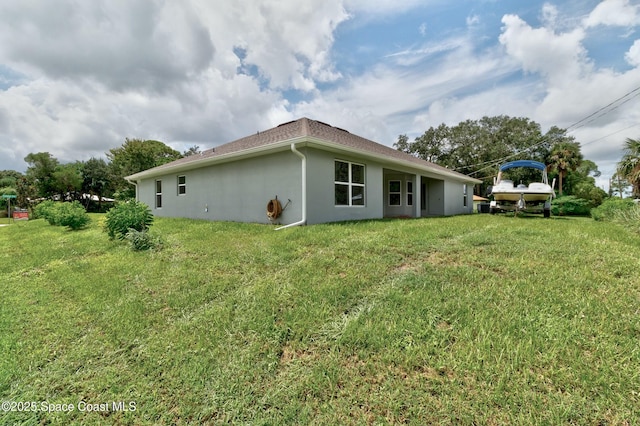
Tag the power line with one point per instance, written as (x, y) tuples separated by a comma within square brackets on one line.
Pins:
[(610, 134), (578, 124)]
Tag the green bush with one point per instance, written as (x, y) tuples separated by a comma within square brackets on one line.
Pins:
[(142, 240), (125, 216), (45, 210), (610, 208), (570, 206), (72, 215)]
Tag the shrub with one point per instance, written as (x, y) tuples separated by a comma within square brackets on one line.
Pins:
[(125, 216), (570, 206), (142, 240), (629, 218), (45, 210), (610, 208), (72, 215)]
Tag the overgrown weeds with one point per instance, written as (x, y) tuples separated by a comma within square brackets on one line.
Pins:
[(624, 212)]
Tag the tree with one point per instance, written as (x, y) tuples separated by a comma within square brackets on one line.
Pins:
[(42, 165), (26, 191), (564, 156), (430, 146), (134, 156), (629, 165), (191, 151), (478, 147), (96, 179), (67, 180), (3, 201), (618, 185), (8, 184), (8, 178)]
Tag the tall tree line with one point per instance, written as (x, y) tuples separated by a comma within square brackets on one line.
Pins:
[(478, 148), (47, 178)]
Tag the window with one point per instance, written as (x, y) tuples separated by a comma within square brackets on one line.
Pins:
[(158, 194), (349, 184), (464, 191), (395, 196), (182, 185), (409, 193)]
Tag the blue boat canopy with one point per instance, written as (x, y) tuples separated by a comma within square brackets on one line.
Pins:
[(523, 163)]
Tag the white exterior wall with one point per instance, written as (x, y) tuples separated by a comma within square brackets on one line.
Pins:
[(240, 190), (454, 198), (321, 195), (236, 191)]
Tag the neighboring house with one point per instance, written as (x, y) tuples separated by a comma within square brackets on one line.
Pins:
[(319, 173), (478, 201)]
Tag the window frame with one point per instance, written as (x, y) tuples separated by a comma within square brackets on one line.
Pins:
[(392, 193), (409, 193), (158, 198), (350, 184), (464, 192), (182, 185)]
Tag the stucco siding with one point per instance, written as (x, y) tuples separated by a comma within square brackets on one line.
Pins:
[(321, 189), (397, 202), (236, 191), (240, 190), (454, 198)]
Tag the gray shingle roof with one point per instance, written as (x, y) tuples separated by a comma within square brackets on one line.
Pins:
[(310, 129)]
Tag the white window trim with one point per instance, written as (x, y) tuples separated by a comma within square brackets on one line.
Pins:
[(410, 193), (158, 194), (351, 184), (183, 185), (393, 193), (465, 202)]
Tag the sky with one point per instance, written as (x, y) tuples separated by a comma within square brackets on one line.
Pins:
[(77, 78)]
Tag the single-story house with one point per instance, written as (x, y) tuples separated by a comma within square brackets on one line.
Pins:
[(317, 172)]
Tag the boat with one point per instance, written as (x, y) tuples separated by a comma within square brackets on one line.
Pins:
[(533, 198)]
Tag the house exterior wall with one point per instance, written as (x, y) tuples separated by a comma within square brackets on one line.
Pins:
[(236, 191), (398, 204), (434, 197), (240, 190), (321, 189), (454, 198)]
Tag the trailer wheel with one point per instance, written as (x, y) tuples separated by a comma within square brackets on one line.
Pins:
[(493, 210)]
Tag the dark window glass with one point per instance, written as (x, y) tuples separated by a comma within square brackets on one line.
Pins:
[(357, 195), (357, 173), (342, 171), (342, 195)]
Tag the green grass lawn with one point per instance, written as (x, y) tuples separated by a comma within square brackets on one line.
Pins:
[(474, 319)]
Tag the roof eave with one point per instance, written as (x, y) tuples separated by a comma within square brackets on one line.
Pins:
[(285, 144), (215, 159), (334, 146)]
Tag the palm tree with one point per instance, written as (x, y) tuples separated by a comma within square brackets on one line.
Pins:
[(629, 166), (564, 156)]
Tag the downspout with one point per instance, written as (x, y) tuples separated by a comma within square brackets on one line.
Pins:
[(304, 189), (134, 183)]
